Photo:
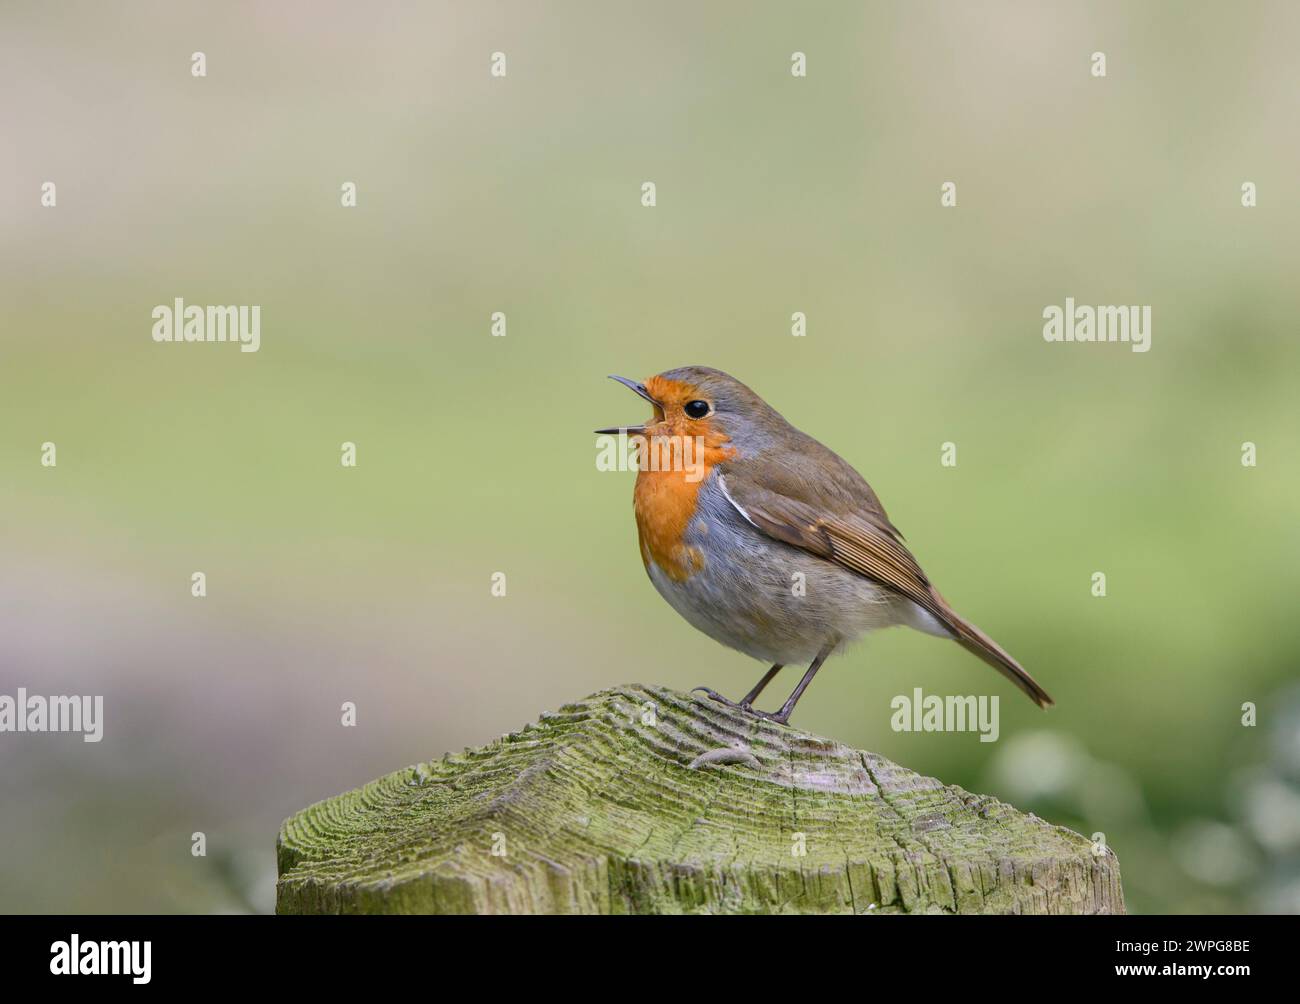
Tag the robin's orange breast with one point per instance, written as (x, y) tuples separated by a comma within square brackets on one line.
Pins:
[(675, 459), (665, 501), (665, 504)]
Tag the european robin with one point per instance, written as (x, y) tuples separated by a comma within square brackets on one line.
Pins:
[(769, 542)]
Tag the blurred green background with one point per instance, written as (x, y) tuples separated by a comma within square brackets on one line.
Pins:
[(522, 195)]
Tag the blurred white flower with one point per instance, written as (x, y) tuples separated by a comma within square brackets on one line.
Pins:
[(1037, 765), (1214, 853), (1271, 808)]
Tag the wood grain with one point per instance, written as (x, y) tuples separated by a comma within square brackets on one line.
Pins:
[(621, 803)]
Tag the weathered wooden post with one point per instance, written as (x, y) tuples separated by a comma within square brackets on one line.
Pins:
[(646, 800)]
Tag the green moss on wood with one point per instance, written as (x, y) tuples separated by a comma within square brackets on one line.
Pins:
[(597, 809)]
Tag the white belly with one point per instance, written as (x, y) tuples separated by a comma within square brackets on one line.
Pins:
[(775, 602)]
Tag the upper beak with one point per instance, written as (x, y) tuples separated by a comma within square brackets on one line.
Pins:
[(636, 388)]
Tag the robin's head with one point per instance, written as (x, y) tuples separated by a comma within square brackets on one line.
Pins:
[(697, 401)]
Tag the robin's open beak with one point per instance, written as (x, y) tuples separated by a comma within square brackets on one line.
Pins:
[(636, 388)]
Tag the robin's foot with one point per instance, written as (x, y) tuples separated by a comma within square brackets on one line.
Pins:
[(713, 695), (780, 718)]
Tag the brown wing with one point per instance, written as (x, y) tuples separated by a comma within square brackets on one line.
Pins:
[(864, 541), (859, 544)]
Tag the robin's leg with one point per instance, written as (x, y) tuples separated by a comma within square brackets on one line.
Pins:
[(782, 717), (747, 701), (752, 696)]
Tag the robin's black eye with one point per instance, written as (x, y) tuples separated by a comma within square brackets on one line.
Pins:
[(697, 409)]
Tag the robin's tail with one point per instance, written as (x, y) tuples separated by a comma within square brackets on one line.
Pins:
[(975, 641)]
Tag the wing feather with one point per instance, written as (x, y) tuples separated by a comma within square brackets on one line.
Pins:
[(864, 541)]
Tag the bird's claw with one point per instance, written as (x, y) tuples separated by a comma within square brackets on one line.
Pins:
[(713, 695), (781, 717), (778, 718)]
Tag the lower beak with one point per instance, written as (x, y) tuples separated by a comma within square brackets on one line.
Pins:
[(631, 430)]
